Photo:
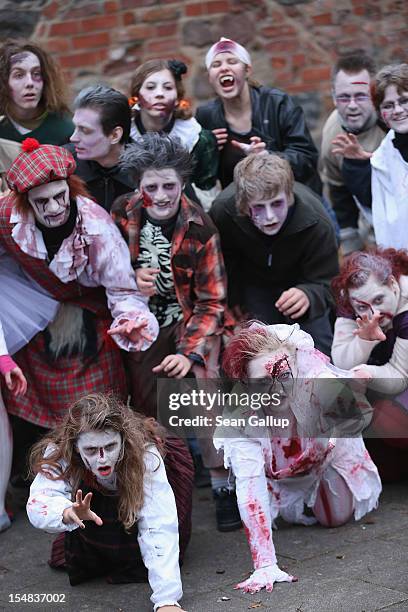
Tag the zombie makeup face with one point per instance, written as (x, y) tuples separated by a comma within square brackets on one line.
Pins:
[(394, 109), (275, 370), (161, 192), (88, 137), (353, 100), (100, 451), (158, 94), (50, 203), (228, 75), (25, 83), (269, 215), (375, 297)]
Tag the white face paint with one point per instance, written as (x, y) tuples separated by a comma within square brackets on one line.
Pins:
[(25, 83), (269, 215), (228, 75), (375, 297), (161, 192), (100, 451), (50, 203)]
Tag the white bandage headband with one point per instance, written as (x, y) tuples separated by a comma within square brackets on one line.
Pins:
[(226, 45)]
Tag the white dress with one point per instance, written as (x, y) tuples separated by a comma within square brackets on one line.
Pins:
[(25, 307)]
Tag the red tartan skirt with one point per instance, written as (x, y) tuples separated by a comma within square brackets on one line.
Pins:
[(53, 385)]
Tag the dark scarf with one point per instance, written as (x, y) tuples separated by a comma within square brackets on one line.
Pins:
[(54, 236)]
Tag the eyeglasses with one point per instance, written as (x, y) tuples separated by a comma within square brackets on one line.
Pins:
[(359, 98), (390, 106)]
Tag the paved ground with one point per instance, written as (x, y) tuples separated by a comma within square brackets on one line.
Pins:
[(360, 567)]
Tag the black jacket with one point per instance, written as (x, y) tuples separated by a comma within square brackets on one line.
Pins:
[(281, 125), (303, 254), (104, 184)]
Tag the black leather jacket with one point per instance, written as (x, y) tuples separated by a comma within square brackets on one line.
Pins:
[(281, 125)]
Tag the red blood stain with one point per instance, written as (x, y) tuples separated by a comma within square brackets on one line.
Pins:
[(147, 200), (274, 464), (258, 532), (293, 448)]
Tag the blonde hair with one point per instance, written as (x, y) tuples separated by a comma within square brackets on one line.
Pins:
[(261, 177), (98, 412)]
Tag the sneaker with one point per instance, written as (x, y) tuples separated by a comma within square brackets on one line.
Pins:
[(226, 510)]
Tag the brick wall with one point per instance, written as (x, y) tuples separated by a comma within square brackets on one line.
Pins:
[(292, 42)]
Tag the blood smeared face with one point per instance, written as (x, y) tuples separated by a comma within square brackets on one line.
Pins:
[(50, 203), (269, 215), (161, 192), (158, 94), (374, 297), (277, 367), (100, 451)]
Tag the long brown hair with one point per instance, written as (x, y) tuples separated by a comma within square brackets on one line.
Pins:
[(76, 185), (98, 412), (53, 95), (155, 65)]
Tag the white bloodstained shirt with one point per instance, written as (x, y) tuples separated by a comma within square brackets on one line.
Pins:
[(95, 255)]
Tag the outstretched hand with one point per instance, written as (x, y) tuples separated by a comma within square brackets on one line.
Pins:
[(264, 578), (135, 331), (16, 381), (369, 329), (348, 146), (80, 511), (256, 146)]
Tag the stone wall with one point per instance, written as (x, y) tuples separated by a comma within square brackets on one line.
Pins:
[(292, 42)]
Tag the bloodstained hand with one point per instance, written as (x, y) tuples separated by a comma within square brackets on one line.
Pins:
[(133, 330), (264, 578)]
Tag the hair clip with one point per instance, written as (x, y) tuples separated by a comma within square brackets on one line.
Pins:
[(133, 101), (184, 104)]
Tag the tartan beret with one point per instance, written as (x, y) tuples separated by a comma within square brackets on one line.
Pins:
[(39, 164)]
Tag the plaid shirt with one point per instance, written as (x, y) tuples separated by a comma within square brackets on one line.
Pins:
[(198, 272)]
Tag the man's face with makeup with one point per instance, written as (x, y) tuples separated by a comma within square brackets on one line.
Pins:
[(268, 215), (50, 203), (25, 82), (351, 93), (100, 451), (161, 192), (158, 94), (89, 138), (375, 297)]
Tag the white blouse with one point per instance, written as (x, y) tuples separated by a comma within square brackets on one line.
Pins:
[(157, 524)]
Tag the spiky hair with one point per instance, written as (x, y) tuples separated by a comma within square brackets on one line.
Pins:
[(154, 151)]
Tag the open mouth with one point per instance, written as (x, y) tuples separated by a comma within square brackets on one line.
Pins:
[(104, 470), (227, 81)]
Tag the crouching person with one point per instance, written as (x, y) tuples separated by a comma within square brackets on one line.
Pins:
[(101, 480), (281, 470)]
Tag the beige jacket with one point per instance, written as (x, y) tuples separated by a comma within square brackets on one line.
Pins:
[(349, 351)]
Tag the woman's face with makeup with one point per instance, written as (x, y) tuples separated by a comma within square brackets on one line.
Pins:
[(100, 451), (158, 94), (375, 297)]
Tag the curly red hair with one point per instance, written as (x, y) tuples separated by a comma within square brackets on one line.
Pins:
[(359, 266)]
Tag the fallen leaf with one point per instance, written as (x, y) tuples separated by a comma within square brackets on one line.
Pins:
[(369, 521), (256, 604), (339, 556)]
